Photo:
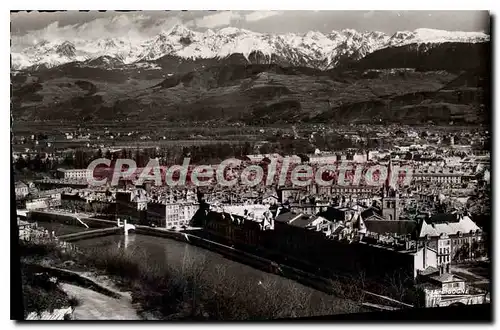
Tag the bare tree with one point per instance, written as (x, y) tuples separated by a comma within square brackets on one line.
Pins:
[(398, 285), (95, 208), (87, 207)]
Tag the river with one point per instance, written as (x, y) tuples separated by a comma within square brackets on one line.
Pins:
[(164, 252)]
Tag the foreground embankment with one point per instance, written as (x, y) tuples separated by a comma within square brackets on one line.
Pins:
[(195, 285), (268, 264)]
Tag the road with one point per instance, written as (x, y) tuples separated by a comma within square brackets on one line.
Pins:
[(96, 306)]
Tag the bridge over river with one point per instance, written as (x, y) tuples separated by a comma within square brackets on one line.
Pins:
[(163, 252)]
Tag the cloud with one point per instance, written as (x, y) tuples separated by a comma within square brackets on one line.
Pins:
[(27, 29), (215, 20), (133, 27), (369, 14), (258, 15)]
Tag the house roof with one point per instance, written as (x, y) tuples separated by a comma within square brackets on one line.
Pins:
[(429, 270), (443, 217), (465, 225), (257, 210), (447, 277), (302, 221), (287, 217), (335, 213), (371, 212), (270, 195), (20, 184), (257, 157), (401, 227), (338, 230), (317, 219)]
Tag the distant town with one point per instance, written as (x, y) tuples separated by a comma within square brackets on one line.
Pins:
[(428, 232)]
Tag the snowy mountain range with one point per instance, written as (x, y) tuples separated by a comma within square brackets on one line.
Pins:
[(313, 49)]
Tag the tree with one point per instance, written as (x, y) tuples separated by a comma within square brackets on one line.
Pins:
[(138, 158), (37, 163), (465, 251), (247, 149), (265, 148), (20, 163), (29, 163), (95, 208), (477, 250), (88, 207), (80, 159), (399, 286)]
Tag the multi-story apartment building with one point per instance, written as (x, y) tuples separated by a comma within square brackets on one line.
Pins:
[(21, 189), (73, 174), (455, 237), (308, 208), (438, 177), (179, 214)]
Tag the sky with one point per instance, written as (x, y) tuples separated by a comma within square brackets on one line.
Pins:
[(39, 25)]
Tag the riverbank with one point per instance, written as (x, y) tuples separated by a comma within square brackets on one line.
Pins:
[(345, 290), (43, 297), (348, 286), (97, 297), (190, 292), (351, 287)]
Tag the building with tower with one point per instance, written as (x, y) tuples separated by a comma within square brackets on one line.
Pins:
[(391, 203)]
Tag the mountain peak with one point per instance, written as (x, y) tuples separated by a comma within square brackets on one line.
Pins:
[(107, 43), (41, 43), (179, 30), (66, 49), (229, 31), (67, 43), (209, 32), (313, 48), (401, 37), (374, 34), (350, 32), (314, 35)]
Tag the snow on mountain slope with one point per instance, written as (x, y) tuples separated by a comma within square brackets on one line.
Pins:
[(313, 49), (430, 35)]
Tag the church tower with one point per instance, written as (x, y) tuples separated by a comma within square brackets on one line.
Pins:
[(390, 198)]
